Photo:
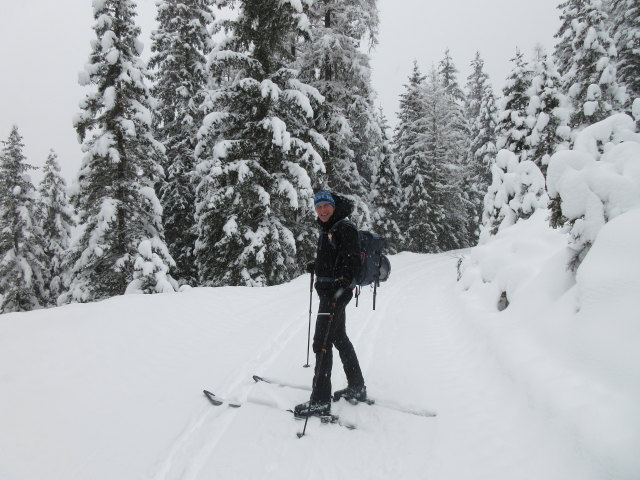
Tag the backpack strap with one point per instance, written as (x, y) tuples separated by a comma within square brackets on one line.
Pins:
[(334, 229)]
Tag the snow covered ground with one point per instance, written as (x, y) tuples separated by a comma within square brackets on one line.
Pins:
[(546, 389)]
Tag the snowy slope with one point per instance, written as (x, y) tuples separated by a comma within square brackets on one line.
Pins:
[(113, 390)]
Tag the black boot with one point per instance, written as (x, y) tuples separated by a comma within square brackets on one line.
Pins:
[(355, 394), (317, 409)]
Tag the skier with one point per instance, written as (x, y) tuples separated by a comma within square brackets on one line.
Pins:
[(336, 263)]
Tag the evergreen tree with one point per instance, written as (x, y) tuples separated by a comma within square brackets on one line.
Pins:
[(57, 222), (179, 47), (481, 112), (449, 77), (408, 150), (335, 64), (626, 34), (115, 197), (443, 142), (261, 159), (22, 256), (512, 127), (547, 112), (459, 145), (434, 209), (563, 52), (386, 194), (586, 57), (517, 190)]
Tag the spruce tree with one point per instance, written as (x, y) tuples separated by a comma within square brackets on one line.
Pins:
[(179, 47), (434, 217), (114, 196), (626, 35), (57, 222), (386, 194), (408, 149), (587, 59), (563, 51), (512, 126), (334, 62), (261, 159), (22, 254), (481, 112), (449, 77), (517, 190), (547, 112), (443, 140), (459, 145)]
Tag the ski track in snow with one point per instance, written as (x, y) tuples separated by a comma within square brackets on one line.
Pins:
[(420, 348), (470, 394), (199, 440)]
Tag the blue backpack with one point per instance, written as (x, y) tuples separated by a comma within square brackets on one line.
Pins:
[(374, 265)]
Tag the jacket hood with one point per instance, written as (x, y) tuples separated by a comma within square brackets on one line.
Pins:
[(344, 208)]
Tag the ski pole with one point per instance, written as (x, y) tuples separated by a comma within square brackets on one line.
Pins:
[(322, 352), (306, 365)]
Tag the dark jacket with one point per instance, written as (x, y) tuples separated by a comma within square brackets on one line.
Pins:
[(338, 252)]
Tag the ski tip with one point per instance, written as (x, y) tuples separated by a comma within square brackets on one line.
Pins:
[(257, 378), (212, 398)]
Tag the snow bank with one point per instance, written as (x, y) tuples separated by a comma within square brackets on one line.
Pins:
[(568, 342)]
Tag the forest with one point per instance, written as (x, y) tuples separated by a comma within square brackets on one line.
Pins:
[(199, 166)]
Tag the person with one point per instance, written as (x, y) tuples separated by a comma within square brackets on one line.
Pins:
[(336, 263)]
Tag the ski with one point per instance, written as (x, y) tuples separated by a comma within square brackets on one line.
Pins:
[(370, 401), (219, 401)]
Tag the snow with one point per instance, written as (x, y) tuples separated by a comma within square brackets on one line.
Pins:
[(635, 109), (281, 137), (600, 178), (547, 388)]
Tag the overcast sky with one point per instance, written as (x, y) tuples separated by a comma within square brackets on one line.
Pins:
[(44, 44)]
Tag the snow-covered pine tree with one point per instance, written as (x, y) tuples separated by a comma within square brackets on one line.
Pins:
[(563, 51), (547, 112), (449, 77), (586, 57), (626, 35), (22, 255), (481, 113), (386, 194), (517, 190), (434, 209), (334, 62), (459, 144), (443, 140), (408, 150), (261, 159), (512, 127), (114, 195), (57, 221), (179, 46)]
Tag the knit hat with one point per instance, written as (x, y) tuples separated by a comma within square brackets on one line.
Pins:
[(324, 196)]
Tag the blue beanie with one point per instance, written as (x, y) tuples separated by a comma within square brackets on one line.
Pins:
[(324, 196)]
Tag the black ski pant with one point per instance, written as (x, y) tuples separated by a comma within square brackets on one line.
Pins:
[(337, 336)]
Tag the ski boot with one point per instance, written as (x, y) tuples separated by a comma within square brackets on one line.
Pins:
[(313, 409), (351, 394)]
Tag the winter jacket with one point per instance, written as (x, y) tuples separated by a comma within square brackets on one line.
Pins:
[(338, 252)]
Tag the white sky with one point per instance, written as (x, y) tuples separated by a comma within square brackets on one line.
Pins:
[(44, 44)]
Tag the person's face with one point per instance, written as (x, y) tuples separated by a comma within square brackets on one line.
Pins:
[(324, 211)]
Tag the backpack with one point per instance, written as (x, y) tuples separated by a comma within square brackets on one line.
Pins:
[(374, 265)]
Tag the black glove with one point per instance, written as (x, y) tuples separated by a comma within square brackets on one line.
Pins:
[(340, 284), (311, 267)]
